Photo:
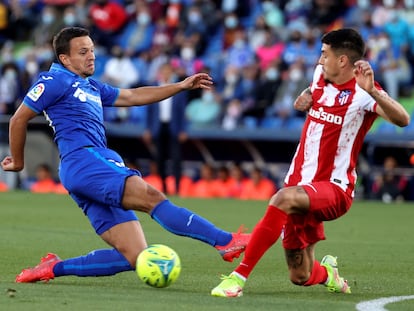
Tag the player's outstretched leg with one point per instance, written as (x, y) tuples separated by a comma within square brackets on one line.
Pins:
[(181, 221), (102, 262)]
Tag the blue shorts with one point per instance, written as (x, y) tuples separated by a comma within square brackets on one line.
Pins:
[(95, 178)]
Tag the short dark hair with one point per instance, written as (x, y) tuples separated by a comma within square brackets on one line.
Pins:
[(61, 41), (347, 41)]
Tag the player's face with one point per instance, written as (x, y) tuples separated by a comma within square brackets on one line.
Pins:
[(330, 63), (81, 59)]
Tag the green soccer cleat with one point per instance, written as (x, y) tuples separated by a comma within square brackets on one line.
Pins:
[(230, 286), (334, 283)]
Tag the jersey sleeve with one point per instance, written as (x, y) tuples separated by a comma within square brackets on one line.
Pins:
[(109, 94), (43, 93)]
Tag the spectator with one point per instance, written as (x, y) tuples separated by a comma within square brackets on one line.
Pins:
[(192, 28), (204, 112), (187, 63), (239, 53), (166, 128), (258, 187), (294, 81), (231, 86), (119, 69), (138, 34), (204, 186), (233, 114), (391, 64), (265, 91), (223, 183), (271, 51), (257, 34), (70, 16), (108, 19), (389, 185), (10, 88), (239, 180), (50, 23), (231, 27), (44, 180)]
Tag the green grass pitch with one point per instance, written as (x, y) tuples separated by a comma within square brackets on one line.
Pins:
[(373, 242)]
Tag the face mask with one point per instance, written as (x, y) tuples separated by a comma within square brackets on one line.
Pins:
[(48, 18), (32, 67), (194, 17), (295, 75), (230, 22), (363, 4), (238, 44), (207, 97), (143, 19), (187, 53), (409, 4), (389, 3), (69, 19), (229, 5), (272, 74), (231, 78), (267, 6), (383, 43), (10, 74)]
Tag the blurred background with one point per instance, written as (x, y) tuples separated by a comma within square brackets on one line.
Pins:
[(261, 55)]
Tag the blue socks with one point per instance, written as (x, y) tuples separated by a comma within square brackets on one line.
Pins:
[(183, 222), (177, 220), (102, 262)]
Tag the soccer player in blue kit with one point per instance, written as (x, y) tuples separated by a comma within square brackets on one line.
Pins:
[(105, 189)]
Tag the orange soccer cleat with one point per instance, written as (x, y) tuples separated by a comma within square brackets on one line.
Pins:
[(42, 272), (236, 246)]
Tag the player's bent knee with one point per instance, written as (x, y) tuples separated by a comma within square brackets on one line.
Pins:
[(300, 281)]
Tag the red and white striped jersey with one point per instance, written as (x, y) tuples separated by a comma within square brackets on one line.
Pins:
[(333, 134)]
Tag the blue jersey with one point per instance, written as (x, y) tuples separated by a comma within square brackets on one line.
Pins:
[(73, 107)]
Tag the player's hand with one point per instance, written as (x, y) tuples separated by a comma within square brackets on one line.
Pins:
[(304, 101), (196, 81), (364, 75), (8, 164)]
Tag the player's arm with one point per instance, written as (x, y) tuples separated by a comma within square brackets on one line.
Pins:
[(150, 94), (387, 107), (304, 101), (390, 109), (17, 138)]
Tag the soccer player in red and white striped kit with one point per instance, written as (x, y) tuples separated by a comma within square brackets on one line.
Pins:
[(342, 103)]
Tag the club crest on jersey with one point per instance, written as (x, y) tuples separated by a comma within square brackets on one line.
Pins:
[(343, 97), (36, 91)]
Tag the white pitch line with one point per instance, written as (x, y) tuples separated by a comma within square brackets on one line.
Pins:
[(378, 304)]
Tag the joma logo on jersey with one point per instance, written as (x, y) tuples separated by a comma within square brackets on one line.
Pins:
[(325, 116)]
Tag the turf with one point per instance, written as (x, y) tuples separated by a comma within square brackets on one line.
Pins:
[(373, 242)]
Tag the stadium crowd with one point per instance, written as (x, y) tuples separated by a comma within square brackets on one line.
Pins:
[(261, 54)]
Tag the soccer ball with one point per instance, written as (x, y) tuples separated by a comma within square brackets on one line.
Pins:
[(158, 266)]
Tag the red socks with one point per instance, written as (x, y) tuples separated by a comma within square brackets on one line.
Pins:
[(264, 235), (318, 275)]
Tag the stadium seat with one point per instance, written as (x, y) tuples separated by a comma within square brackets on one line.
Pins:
[(386, 128), (271, 122)]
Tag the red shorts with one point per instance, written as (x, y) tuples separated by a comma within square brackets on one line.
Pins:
[(327, 202)]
